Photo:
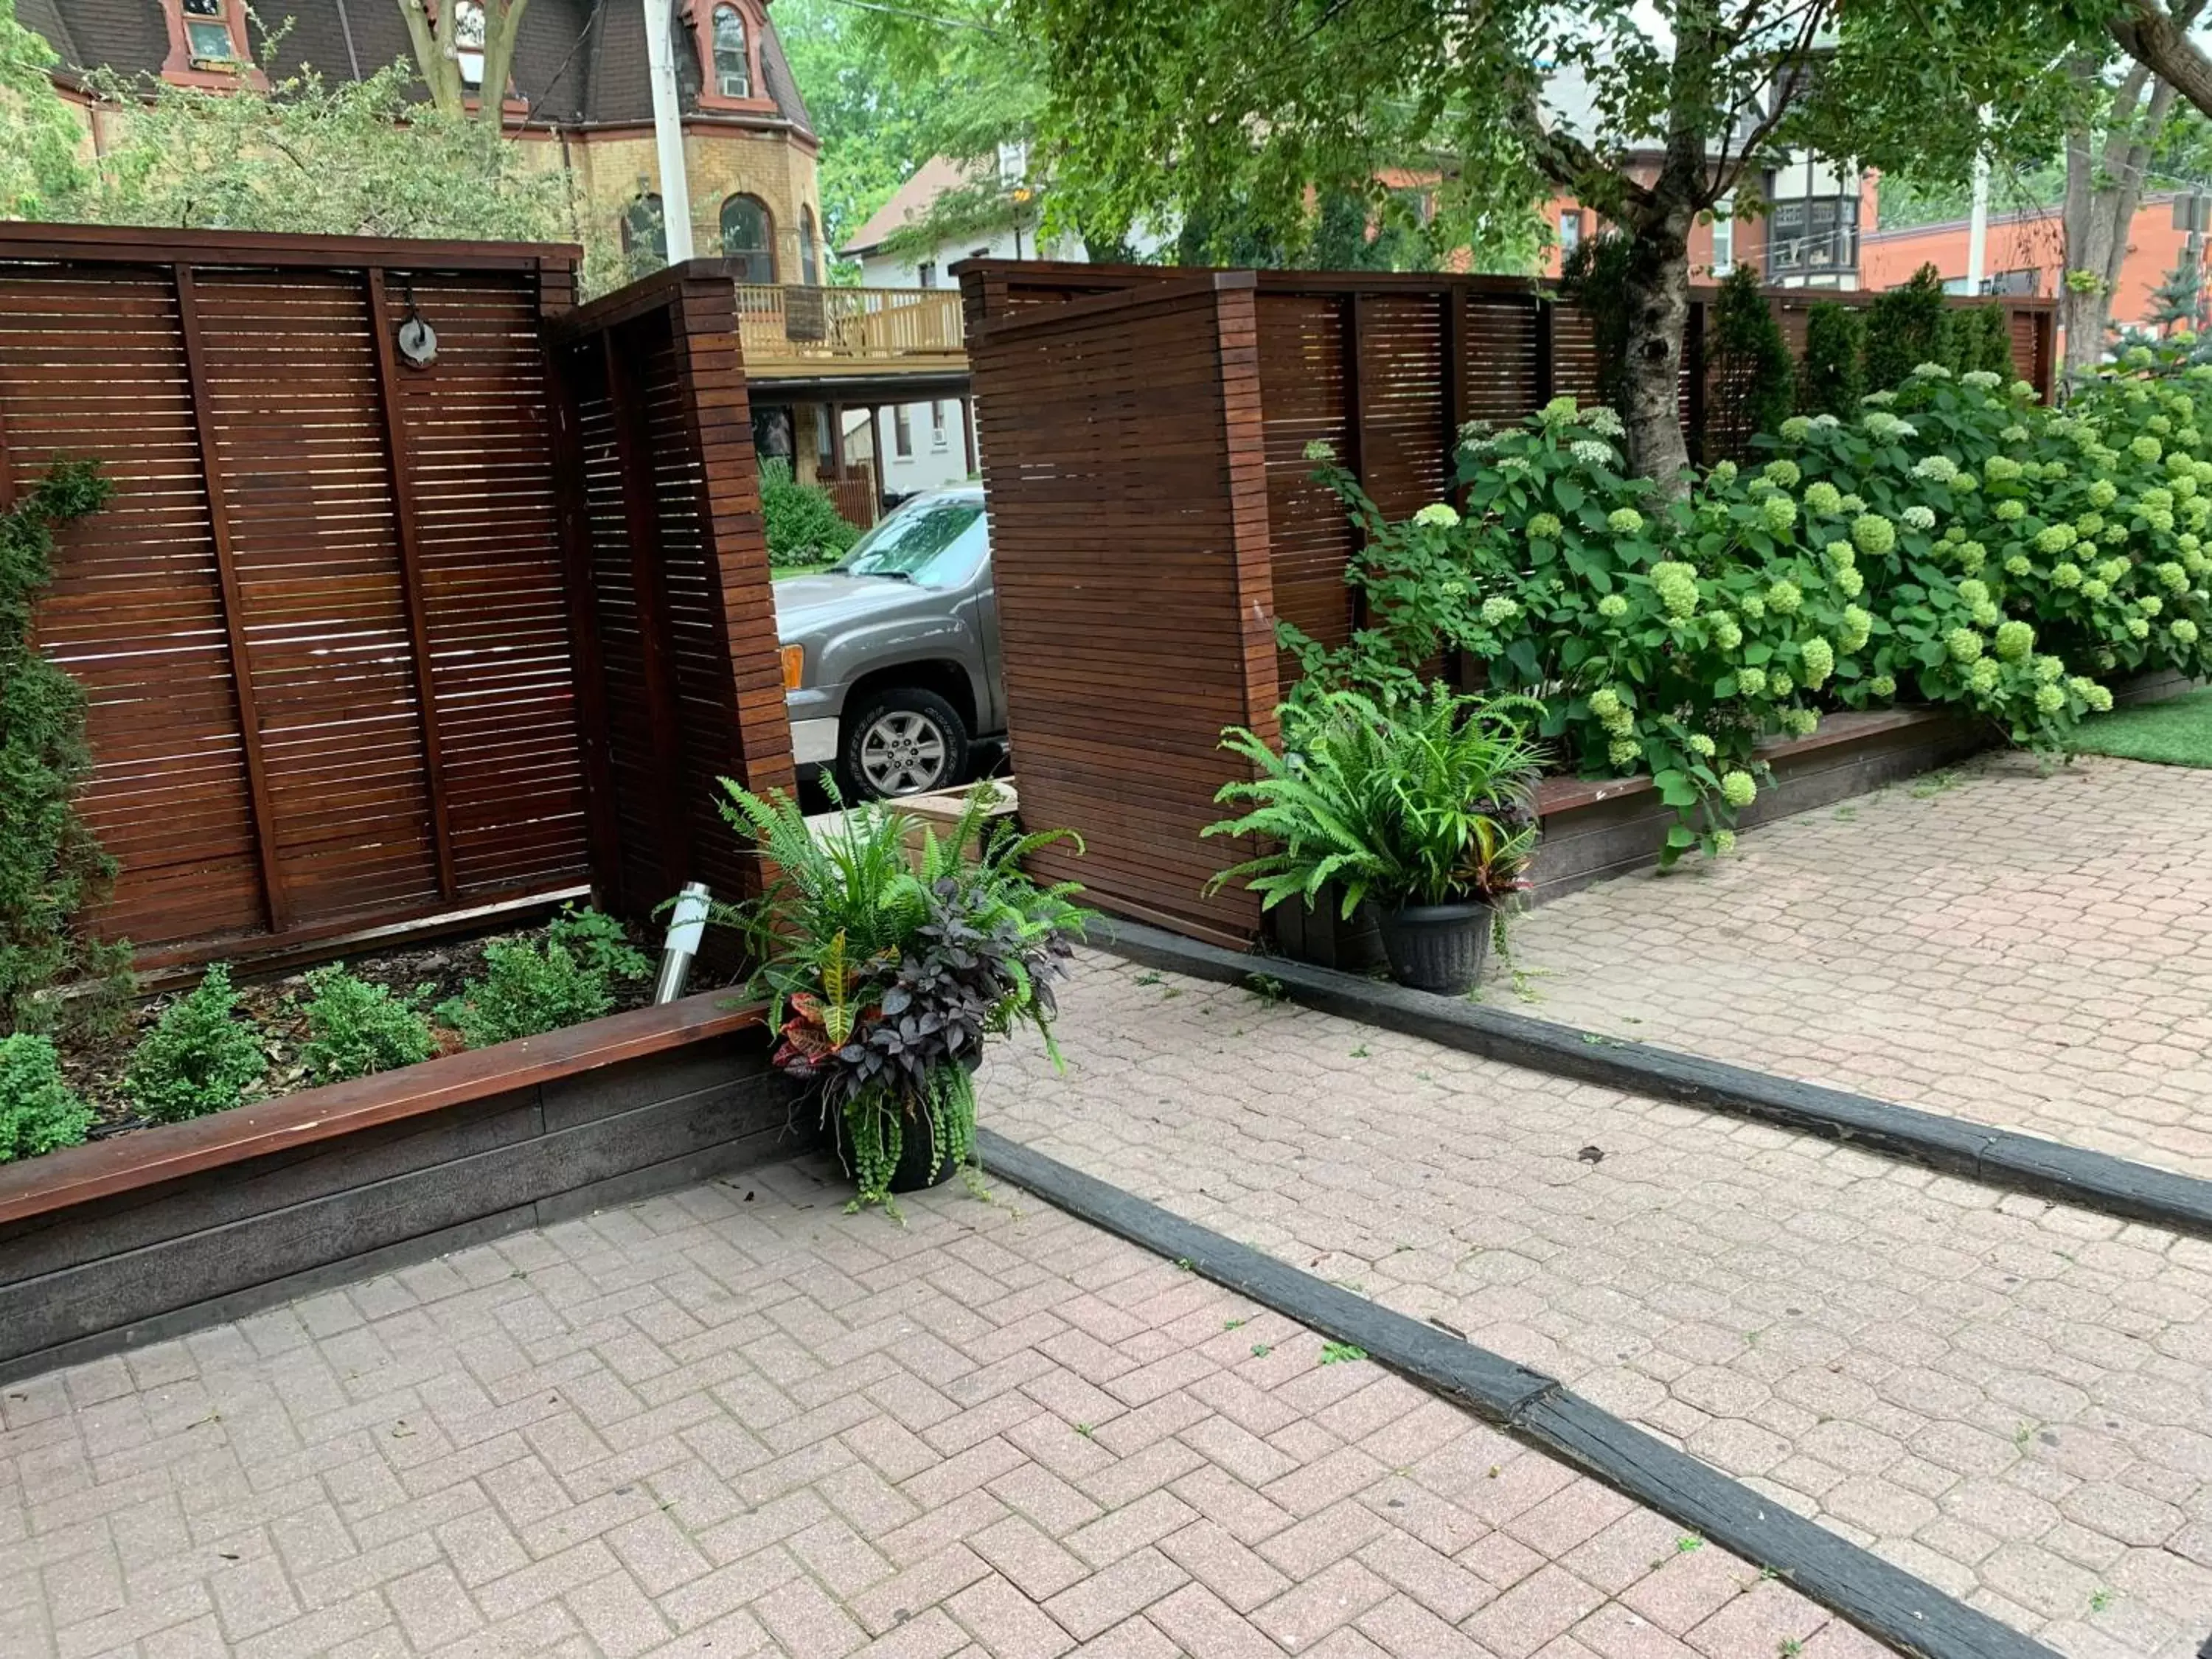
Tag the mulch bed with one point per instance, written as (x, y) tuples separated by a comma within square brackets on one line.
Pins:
[(277, 1008)]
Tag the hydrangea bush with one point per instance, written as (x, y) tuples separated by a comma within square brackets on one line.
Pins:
[(1957, 544)]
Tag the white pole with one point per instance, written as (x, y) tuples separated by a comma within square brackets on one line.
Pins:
[(1977, 221), (668, 132)]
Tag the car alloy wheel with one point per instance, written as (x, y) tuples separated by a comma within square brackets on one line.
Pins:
[(903, 753)]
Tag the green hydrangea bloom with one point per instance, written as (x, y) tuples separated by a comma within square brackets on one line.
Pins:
[(1971, 555), (2066, 573), (1858, 627), (1606, 702), (2089, 525), (1873, 535), (1779, 684), (2049, 699), (1702, 746), (1624, 522), (1982, 677), (1917, 517), (1676, 584), (1820, 660), (1612, 606), (1841, 555), (2099, 697), (1796, 430), (2184, 631), (2017, 565), (1437, 515), (1739, 789), (2172, 576), (1754, 607), (1937, 469), (1974, 593), (2103, 493), (1724, 842), (2000, 469), (2144, 447), (2160, 520), (2008, 511), (1986, 614), (1821, 496), (2054, 538), (2138, 628), (2185, 487), (1784, 472), (1624, 752), (2112, 570), (1723, 472), (1784, 599), (2150, 605), (2049, 671), (1964, 644), (1545, 527), (1752, 682), (1851, 503), (1496, 612), (1559, 411), (1800, 722), (1883, 685), (2115, 534), (2158, 424), (1780, 513), (1850, 584), (2015, 639), (1727, 633), (2096, 589)]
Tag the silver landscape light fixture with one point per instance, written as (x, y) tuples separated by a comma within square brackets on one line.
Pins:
[(416, 340), (686, 928)]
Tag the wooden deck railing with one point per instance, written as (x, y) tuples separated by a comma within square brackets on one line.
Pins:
[(790, 327)]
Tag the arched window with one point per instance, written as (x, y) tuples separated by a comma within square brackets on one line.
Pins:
[(746, 239), (468, 41), (809, 258), (733, 64), (645, 233)]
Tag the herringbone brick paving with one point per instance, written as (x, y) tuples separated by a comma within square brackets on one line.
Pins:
[(2023, 950), (2010, 1398), (737, 1421)]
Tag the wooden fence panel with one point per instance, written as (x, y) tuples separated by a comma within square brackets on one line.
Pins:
[(1128, 480), (321, 627), (670, 596)]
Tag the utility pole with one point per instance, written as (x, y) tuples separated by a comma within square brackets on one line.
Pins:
[(668, 131), (1978, 216)]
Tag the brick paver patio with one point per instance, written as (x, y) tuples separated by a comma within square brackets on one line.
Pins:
[(735, 1421), (2010, 1398), (2024, 951)]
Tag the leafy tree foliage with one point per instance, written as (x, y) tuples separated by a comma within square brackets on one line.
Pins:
[(1833, 377), (1905, 328)]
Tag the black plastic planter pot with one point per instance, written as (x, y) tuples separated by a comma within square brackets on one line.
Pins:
[(1437, 947)]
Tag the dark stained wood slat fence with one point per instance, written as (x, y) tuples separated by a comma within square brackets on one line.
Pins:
[(323, 627), (669, 587), (1147, 535)]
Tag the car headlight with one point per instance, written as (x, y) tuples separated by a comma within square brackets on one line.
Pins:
[(794, 667)]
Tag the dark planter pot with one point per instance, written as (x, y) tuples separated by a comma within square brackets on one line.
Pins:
[(1437, 947), (917, 1168), (1323, 937)]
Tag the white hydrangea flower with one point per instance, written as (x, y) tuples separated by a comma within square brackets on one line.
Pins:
[(1440, 515), (1920, 518), (1590, 452), (1981, 379), (1603, 421), (1930, 372)]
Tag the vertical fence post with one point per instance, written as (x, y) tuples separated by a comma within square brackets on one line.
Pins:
[(1455, 367), (412, 579), (275, 900), (1693, 354), (641, 506), (1355, 433), (1244, 454), (1546, 348)]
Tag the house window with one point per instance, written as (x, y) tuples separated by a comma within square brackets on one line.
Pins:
[(746, 239), (1724, 236), (903, 433), (1571, 232), (468, 41), (1785, 236), (733, 64), (937, 423), (810, 259), (925, 274), (645, 231), (207, 32), (1013, 163)]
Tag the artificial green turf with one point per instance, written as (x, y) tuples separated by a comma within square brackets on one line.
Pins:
[(2175, 732)]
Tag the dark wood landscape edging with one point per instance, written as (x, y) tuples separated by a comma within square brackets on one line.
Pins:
[(2001, 1157), (145, 1235), (1885, 1600)]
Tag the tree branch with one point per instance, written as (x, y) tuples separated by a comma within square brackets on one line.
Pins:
[(2158, 40)]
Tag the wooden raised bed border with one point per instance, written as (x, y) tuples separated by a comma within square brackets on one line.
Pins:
[(147, 1235)]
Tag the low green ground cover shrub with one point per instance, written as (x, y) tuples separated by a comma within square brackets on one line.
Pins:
[(199, 1058), (39, 1111), (530, 987), (2177, 731), (355, 1028), (1955, 542)]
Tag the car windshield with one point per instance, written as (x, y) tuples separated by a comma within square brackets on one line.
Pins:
[(933, 544)]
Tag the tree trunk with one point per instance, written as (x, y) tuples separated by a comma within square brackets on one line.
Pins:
[(2102, 193), (2159, 40), (440, 72), (503, 22), (1656, 296)]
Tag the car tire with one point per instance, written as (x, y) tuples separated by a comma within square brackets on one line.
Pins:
[(906, 741)]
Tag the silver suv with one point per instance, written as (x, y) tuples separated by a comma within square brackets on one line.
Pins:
[(890, 657)]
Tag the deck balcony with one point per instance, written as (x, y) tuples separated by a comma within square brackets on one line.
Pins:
[(803, 333)]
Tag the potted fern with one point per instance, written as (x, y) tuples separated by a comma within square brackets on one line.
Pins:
[(887, 970), (1423, 811)]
